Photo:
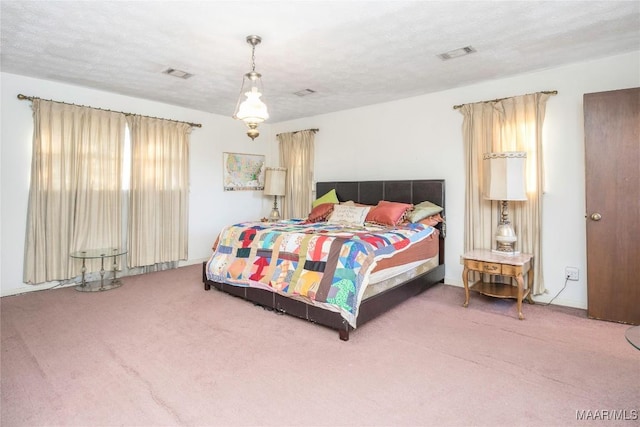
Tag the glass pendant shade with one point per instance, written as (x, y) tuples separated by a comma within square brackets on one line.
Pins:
[(250, 108)]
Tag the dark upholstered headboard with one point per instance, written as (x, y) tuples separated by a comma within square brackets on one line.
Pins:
[(371, 192)]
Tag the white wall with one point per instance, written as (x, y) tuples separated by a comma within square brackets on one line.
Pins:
[(210, 208), (421, 138)]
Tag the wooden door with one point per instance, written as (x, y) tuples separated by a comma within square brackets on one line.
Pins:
[(612, 154)]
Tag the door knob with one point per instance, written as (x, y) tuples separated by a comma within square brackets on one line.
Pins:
[(596, 216)]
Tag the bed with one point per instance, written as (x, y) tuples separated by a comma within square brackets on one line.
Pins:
[(380, 280)]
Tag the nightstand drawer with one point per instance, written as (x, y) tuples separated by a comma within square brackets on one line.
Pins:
[(485, 267), (473, 265), (511, 270), (491, 268)]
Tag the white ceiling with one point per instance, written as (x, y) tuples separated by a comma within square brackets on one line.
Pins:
[(353, 53)]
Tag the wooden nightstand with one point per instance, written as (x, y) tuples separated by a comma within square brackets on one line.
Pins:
[(486, 261)]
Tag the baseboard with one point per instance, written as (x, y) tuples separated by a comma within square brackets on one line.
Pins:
[(56, 284), (187, 263), (544, 299), (454, 281)]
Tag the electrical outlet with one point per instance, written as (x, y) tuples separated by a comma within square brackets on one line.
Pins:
[(571, 273)]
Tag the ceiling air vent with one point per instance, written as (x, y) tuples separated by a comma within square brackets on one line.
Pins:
[(177, 73), (456, 53), (304, 92)]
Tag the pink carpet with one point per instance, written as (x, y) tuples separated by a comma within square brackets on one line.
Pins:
[(160, 351)]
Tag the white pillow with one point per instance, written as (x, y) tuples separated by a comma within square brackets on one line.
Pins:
[(351, 215)]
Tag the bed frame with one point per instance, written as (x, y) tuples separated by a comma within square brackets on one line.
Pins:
[(366, 192)]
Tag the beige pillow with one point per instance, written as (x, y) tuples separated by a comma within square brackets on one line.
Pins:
[(349, 215), (423, 210)]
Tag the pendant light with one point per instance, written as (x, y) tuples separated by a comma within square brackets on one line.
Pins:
[(250, 108)]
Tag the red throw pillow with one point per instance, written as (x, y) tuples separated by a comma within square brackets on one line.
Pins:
[(320, 213), (388, 213)]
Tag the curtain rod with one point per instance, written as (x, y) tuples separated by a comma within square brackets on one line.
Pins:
[(548, 92), (31, 98), (312, 130)]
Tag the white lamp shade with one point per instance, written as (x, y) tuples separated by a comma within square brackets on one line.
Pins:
[(250, 108), (504, 176), (274, 181)]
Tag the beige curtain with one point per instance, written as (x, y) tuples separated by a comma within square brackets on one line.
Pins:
[(512, 124), (159, 193), (74, 195), (297, 155)]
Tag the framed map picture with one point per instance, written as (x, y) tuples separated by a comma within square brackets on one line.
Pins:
[(243, 171)]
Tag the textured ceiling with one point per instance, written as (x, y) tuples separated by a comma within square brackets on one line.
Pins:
[(352, 53)]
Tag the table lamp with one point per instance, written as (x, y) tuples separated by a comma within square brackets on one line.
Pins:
[(504, 180), (274, 184)]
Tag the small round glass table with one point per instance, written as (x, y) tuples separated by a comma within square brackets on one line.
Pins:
[(633, 336), (99, 285)]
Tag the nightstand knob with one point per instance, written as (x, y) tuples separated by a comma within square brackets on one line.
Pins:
[(596, 216)]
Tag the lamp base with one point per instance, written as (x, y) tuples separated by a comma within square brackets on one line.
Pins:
[(505, 236), (274, 216)]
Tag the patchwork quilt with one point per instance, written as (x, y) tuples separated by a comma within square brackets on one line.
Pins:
[(325, 264)]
